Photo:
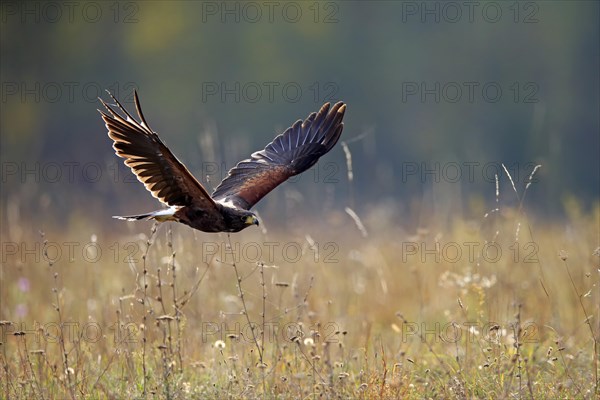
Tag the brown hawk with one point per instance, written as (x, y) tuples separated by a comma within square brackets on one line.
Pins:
[(227, 209)]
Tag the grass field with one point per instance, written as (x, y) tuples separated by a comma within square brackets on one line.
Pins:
[(499, 307)]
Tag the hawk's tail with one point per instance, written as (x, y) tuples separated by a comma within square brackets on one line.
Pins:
[(160, 216), (133, 217)]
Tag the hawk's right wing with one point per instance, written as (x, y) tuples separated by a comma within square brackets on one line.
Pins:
[(291, 153)]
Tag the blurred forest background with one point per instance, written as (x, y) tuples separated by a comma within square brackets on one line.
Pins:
[(454, 88)]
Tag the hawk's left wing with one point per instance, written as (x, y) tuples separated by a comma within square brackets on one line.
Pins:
[(151, 161)]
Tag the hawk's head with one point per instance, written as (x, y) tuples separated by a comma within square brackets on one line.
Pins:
[(250, 219)]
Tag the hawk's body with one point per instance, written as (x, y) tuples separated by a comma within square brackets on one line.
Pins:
[(227, 210)]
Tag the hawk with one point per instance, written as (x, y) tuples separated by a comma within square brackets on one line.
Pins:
[(228, 208)]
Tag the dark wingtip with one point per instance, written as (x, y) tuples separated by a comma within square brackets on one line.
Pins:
[(138, 108), (110, 110), (113, 97), (339, 108), (342, 107), (325, 108)]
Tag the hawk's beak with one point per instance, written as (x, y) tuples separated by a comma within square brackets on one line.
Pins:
[(251, 220)]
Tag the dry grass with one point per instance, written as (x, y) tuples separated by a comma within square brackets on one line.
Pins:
[(389, 315)]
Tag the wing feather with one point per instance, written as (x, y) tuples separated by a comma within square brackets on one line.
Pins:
[(291, 153), (165, 177)]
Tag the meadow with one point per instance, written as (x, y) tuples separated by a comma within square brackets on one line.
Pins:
[(501, 306), (419, 259)]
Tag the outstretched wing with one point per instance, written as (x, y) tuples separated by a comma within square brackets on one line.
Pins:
[(291, 153), (151, 161)]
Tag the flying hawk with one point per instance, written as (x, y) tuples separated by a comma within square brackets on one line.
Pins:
[(228, 208)]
